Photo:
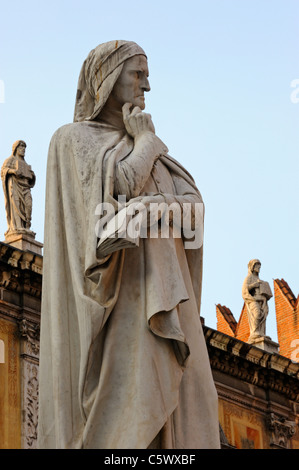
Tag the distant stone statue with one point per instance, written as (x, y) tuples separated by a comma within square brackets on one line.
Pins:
[(17, 180), (123, 359), (256, 294)]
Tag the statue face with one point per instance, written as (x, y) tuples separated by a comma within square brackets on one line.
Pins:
[(21, 149), (257, 268), (132, 83)]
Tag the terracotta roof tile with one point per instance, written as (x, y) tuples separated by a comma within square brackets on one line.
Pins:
[(228, 316), (286, 290)]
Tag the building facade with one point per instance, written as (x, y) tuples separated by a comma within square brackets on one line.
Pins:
[(20, 305), (258, 390)]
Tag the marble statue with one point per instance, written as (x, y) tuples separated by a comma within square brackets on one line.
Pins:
[(17, 179), (256, 294), (123, 361)]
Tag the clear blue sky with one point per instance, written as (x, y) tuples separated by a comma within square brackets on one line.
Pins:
[(220, 73)]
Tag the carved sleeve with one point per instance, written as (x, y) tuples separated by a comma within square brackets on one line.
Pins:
[(132, 173), (187, 197)]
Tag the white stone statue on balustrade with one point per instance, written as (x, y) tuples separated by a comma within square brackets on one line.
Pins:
[(18, 179), (256, 294)]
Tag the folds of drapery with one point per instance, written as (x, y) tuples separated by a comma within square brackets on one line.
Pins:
[(83, 298)]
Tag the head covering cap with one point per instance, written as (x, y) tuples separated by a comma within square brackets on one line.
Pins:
[(98, 76)]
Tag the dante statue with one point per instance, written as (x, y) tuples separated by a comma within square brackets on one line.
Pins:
[(17, 179), (124, 363), (256, 294)]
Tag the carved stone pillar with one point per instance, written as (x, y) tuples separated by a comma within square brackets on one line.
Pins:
[(29, 382), (282, 431)]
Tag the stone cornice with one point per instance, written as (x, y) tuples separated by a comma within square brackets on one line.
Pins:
[(20, 271), (24, 260), (253, 365)]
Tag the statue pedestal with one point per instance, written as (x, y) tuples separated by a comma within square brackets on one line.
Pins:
[(24, 241), (266, 343)]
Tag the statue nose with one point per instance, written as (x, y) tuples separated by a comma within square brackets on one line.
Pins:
[(145, 85)]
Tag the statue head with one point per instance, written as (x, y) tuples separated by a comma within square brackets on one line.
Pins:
[(99, 78), (19, 147), (131, 84), (254, 266)]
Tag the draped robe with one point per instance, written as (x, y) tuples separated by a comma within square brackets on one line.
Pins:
[(17, 195), (123, 363), (256, 302)]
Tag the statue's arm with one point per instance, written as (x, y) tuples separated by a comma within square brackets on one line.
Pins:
[(132, 173), (186, 197), (7, 169), (254, 285), (185, 203)]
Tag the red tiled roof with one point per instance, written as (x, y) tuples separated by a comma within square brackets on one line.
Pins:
[(228, 316), (286, 290)]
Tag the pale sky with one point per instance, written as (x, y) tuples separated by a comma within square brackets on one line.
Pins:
[(221, 75)]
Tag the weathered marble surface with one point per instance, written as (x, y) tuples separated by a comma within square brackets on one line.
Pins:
[(123, 361)]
